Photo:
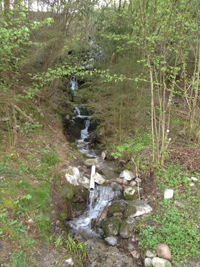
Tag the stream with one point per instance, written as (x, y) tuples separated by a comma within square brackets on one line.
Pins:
[(113, 251)]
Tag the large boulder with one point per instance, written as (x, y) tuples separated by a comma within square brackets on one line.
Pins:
[(98, 178), (127, 175)]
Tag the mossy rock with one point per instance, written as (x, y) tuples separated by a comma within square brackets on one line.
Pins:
[(70, 191), (130, 210), (131, 193), (126, 229), (111, 226), (114, 207)]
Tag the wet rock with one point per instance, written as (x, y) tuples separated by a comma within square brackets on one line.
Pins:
[(113, 208), (84, 182), (168, 193), (127, 175), (111, 241), (72, 175), (90, 162), (126, 229), (136, 208), (111, 226), (98, 178), (148, 262), (158, 262), (131, 193), (135, 254), (163, 250)]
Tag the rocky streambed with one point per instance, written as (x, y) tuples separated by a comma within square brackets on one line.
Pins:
[(106, 218)]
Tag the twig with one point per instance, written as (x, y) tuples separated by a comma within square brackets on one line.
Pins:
[(101, 215), (20, 111)]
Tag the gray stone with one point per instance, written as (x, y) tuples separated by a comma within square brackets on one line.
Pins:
[(135, 254), (119, 180), (163, 251), (132, 183), (111, 241), (125, 182), (168, 193), (126, 229), (90, 162), (150, 254), (103, 155), (98, 178), (72, 175), (127, 175), (158, 262), (84, 181), (148, 262)]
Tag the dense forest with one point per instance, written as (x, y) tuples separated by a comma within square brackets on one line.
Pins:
[(136, 64)]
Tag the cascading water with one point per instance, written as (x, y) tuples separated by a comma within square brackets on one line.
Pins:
[(98, 199), (99, 196)]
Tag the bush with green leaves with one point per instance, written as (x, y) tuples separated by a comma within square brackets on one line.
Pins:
[(133, 146)]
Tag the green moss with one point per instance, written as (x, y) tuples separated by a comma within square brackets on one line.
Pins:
[(111, 226), (114, 207), (129, 210)]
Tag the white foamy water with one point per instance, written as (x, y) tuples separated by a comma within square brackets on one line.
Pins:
[(98, 198)]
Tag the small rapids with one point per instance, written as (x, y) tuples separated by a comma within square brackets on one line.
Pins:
[(99, 198)]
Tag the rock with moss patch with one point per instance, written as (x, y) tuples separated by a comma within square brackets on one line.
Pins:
[(136, 208), (111, 226), (126, 229), (131, 193), (113, 208)]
